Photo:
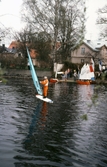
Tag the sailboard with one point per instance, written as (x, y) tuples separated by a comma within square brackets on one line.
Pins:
[(44, 99), (35, 81), (33, 73)]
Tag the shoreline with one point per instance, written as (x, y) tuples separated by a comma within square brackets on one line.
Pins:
[(25, 74)]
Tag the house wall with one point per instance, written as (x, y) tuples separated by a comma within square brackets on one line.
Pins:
[(35, 63), (77, 57), (103, 53)]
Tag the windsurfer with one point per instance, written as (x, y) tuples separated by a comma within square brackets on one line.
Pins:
[(45, 84)]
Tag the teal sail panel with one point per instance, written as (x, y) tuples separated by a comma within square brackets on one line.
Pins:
[(33, 73)]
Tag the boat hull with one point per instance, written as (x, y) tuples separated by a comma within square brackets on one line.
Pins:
[(85, 82), (53, 80)]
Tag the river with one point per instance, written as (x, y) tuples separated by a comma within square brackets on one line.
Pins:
[(71, 132)]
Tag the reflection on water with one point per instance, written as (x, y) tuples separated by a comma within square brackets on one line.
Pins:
[(86, 98), (86, 92), (36, 133)]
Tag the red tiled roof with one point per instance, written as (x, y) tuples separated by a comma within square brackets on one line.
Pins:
[(14, 44)]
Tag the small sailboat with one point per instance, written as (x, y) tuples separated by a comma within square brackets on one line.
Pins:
[(36, 81), (86, 76), (53, 80), (57, 70)]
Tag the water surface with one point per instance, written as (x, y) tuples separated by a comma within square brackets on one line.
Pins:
[(71, 132)]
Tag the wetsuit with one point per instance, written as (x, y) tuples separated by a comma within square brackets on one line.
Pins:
[(45, 83)]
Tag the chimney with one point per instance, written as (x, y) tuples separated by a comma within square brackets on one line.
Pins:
[(88, 41), (3, 47)]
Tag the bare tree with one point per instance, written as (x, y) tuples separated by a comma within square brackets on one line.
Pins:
[(4, 32), (102, 20), (62, 19), (41, 42)]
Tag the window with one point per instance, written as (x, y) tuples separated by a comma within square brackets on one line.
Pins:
[(82, 60), (82, 51)]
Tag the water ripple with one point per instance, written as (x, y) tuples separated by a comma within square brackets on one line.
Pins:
[(71, 132)]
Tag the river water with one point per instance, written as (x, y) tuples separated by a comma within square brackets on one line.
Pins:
[(71, 132)]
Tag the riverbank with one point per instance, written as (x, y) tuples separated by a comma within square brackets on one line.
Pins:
[(16, 73), (25, 74), (98, 81)]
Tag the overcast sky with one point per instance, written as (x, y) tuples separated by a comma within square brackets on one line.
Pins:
[(91, 27), (10, 15)]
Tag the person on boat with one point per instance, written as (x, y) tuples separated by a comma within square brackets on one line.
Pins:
[(75, 75), (78, 72), (91, 67), (45, 84), (68, 73)]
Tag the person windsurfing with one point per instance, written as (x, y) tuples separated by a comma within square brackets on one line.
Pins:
[(45, 84)]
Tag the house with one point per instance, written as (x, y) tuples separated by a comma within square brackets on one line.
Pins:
[(3, 48), (88, 49), (33, 54), (81, 54), (13, 47)]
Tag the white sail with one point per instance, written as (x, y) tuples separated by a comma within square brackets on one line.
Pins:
[(84, 75), (87, 72)]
